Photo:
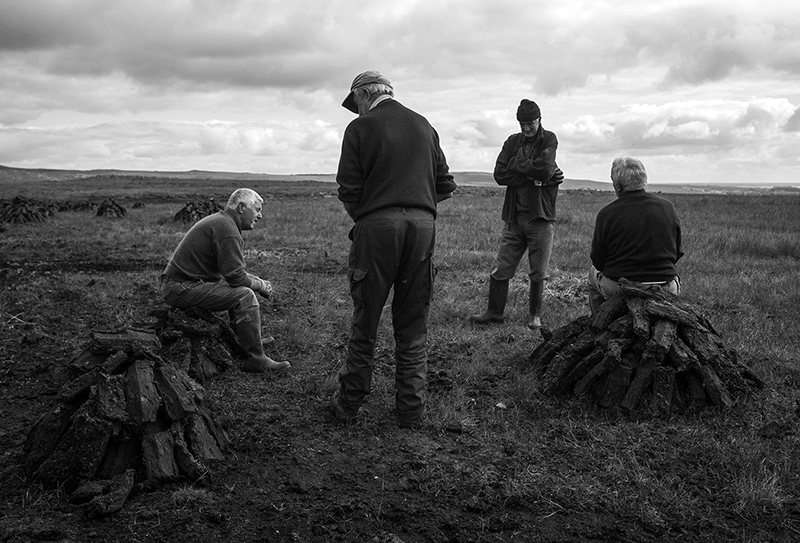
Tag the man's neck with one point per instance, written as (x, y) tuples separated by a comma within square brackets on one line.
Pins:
[(379, 99)]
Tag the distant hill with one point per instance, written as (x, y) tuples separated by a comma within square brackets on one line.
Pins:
[(22, 174), (485, 179), (476, 179)]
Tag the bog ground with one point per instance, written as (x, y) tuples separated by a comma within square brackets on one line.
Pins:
[(496, 460)]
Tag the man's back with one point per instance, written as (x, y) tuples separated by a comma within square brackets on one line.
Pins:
[(210, 250), (637, 237), (391, 157)]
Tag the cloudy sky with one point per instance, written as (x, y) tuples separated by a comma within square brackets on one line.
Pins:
[(700, 90)]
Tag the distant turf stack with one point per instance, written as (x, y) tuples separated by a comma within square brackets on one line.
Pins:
[(646, 349), (194, 211), (22, 210), (110, 208)]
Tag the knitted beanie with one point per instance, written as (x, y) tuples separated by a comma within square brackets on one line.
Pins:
[(528, 111)]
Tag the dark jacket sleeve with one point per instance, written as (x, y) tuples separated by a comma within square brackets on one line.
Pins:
[(513, 170), (350, 176), (502, 174), (598, 252), (445, 184), (541, 165)]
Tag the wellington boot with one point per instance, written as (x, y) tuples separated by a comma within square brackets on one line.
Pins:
[(264, 365), (535, 305), (488, 318), (248, 330), (498, 294)]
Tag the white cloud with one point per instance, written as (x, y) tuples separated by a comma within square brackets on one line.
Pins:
[(257, 84)]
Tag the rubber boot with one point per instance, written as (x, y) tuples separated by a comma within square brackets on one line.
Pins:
[(266, 341), (535, 305), (248, 328), (498, 294)]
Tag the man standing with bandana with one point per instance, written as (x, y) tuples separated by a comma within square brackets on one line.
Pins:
[(527, 167), (392, 173)]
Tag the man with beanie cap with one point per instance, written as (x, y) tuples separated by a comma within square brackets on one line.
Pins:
[(392, 173), (527, 168)]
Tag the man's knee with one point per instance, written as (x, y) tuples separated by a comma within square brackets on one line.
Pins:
[(246, 298), (503, 274), (246, 307), (537, 276)]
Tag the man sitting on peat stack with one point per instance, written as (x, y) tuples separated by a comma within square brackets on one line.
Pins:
[(207, 271), (637, 236)]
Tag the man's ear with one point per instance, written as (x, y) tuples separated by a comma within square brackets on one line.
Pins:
[(240, 207)]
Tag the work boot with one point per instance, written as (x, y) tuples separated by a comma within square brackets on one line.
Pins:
[(338, 412), (248, 329), (535, 305), (498, 294), (264, 365)]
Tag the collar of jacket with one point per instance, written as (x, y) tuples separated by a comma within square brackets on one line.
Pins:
[(379, 99)]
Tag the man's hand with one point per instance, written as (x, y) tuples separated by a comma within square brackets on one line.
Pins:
[(266, 289), (557, 179)]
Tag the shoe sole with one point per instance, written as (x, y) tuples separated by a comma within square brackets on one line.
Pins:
[(267, 370)]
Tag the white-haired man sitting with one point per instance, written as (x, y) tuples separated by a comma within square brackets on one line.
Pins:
[(637, 236), (207, 271)]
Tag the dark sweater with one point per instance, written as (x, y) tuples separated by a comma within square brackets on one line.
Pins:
[(638, 237), (211, 250), (391, 158), (519, 173)]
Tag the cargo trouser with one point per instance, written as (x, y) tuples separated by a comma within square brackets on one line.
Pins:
[(240, 302), (522, 235), (392, 247)]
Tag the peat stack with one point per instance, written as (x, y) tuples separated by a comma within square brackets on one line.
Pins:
[(127, 415), (198, 342), (645, 349), (24, 210), (110, 208), (76, 205), (194, 211)]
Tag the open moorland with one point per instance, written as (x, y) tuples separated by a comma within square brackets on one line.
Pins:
[(495, 460)]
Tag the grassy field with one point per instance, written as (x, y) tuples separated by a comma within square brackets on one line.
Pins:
[(495, 460)]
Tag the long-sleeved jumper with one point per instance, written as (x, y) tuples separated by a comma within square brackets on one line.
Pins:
[(638, 237), (212, 250), (375, 171)]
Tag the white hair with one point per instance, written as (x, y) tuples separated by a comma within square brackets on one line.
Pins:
[(248, 197), (627, 174), (373, 90)]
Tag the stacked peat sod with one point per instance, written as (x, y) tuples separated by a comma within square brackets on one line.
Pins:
[(76, 205), (130, 415), (110, 208), (646, 350), (194, 211), (198, 342), (22, 210)]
